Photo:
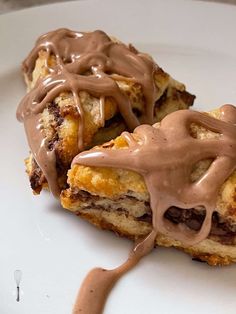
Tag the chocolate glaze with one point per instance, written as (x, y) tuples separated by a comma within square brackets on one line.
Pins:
[(89, 62), (165, 157)]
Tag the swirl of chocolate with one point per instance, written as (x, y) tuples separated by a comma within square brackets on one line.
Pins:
[(84, 62)]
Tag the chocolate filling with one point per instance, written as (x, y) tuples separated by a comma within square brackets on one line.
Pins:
[(223, 231)]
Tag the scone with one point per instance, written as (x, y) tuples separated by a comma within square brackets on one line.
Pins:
[(83, 90), (184, 166)]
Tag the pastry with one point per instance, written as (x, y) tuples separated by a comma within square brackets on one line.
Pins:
[(83, 90), (177, 176)]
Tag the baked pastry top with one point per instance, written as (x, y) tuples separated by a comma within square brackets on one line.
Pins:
[(118, 199), (85, 89)]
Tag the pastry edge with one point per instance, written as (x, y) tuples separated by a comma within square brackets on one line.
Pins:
[(209, 251)]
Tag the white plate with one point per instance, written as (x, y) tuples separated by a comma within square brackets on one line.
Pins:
[(195, 42)]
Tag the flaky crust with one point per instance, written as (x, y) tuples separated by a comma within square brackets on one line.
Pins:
[(61, 121), (116, 199)]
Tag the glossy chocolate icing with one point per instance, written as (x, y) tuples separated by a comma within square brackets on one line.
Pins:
[(88, 62)]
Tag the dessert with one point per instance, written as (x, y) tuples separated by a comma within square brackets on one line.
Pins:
[(177, 177), (85, 89), (171, 184)]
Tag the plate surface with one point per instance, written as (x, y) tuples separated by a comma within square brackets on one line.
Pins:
[(194, 41)]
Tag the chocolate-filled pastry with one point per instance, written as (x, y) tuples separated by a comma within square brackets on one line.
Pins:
[(85, 88), (175, 180)]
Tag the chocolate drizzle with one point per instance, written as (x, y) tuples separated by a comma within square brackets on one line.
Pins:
[(89, 62), (99, 282), (165, 157)]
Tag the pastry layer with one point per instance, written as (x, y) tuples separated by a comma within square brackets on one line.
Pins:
[(118, 200)]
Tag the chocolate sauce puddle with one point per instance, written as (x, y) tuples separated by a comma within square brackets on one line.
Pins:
[(88, 62), (165, 157)]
